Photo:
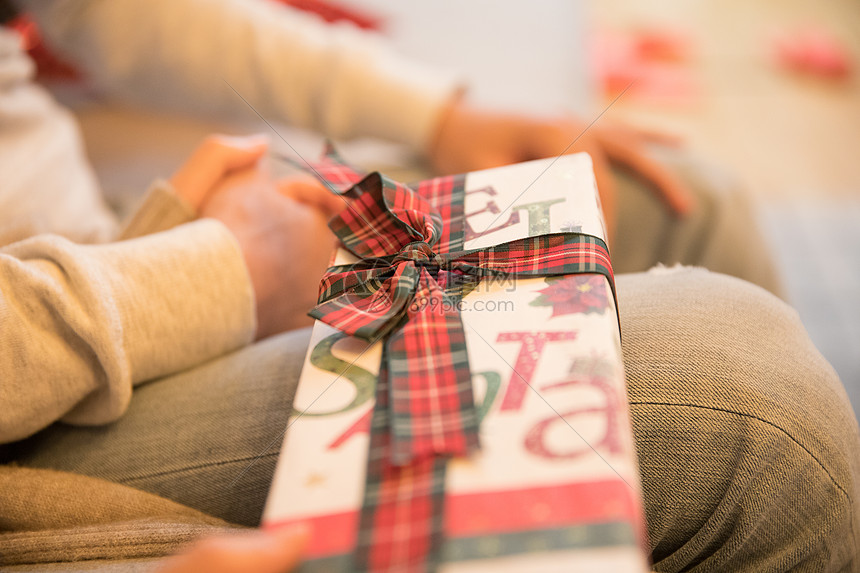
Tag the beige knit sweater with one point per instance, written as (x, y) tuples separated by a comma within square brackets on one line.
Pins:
[(78, 331), (77, 335)]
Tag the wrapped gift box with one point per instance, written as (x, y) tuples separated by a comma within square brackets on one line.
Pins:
[(553, 483)]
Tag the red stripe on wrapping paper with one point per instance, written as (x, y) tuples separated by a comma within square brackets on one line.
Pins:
[(488, 513), (510, 511), (332, 534)]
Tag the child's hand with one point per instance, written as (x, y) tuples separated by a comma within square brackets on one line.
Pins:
[(214, 159), (285, 241), (275, 551), (281, 226)]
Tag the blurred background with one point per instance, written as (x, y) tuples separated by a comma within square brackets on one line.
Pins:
[(768, 89)]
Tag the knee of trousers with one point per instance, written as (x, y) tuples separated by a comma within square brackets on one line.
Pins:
[(744, 432)]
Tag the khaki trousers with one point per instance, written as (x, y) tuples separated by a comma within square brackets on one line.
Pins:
[(748, 447)]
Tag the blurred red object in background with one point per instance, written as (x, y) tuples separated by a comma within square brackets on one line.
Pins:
[(812, 51), (662, 44), (652, 62), (333, 12), (48, 65)]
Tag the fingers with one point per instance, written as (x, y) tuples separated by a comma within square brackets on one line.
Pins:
[(237, 152), (666, 185), (260, 551), (636, 135), (314, 194), (215, 158), (658, 137)]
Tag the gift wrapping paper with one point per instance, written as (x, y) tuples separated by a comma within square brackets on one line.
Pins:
[(554, 485)]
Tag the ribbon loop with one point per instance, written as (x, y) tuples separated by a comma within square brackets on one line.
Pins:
[(385, 217), (373, 308)]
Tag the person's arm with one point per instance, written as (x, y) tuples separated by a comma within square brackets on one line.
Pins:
[(83, 323), (190, 55)]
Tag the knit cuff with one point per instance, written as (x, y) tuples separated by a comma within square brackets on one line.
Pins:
[(160, 210)]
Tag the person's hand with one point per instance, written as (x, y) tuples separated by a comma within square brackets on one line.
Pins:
[(214, 159), (280, 225), (286, 243), (276, 551), (469, 139)]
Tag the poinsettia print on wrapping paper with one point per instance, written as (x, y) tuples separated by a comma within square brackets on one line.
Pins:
[(574, 294)]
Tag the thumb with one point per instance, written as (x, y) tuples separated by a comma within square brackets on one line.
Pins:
[(235, 152), (213, 159)]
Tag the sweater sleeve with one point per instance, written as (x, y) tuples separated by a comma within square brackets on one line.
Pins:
[(161, 209), (46, 184), (82, 324), (207, 56)]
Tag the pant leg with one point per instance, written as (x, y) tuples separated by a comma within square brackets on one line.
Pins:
[(748, 447), (207, 438), (722, 232), (747, 444)]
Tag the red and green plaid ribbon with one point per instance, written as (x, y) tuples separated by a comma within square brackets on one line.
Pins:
[(405, 289)]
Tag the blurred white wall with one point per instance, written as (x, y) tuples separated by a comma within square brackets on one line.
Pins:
[(529, 56)]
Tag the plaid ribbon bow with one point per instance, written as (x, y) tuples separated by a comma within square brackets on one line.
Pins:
[(405, 289)]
